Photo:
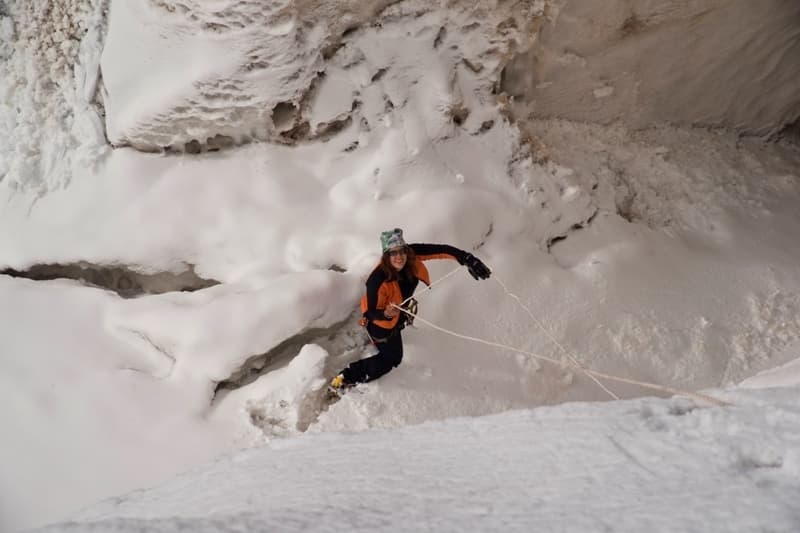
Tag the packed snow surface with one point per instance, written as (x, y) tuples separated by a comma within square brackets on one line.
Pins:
[(655, 465)]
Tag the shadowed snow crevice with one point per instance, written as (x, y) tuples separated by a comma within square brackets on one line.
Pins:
[(122, 280), (331, 339), (791, 132), (575, 227)]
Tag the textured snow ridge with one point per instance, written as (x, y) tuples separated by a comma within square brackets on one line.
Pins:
[(663, 465), (49, 74), (262, 70)]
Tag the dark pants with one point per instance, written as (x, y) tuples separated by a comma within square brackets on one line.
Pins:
[(390, 353)]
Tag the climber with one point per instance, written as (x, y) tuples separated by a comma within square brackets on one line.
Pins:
[(391, 283)]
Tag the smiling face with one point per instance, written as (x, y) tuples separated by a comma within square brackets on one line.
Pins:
[(398, 257)]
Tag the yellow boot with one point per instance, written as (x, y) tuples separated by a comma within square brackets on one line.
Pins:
[(337, 382), (337, 387)]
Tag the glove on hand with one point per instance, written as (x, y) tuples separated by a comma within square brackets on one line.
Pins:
[(476, 268)]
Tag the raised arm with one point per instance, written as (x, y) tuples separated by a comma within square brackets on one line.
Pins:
[(426, 251), (476, 267)]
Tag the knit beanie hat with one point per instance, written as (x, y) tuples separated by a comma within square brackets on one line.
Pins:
[(392, 238)]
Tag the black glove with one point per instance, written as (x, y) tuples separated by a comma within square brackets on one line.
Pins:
[(476, 267)]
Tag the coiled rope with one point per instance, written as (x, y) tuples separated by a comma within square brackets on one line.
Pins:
[(592, 374)]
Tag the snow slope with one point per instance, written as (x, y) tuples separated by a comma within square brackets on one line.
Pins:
[(665, 255), (656, 465), (128, 385)]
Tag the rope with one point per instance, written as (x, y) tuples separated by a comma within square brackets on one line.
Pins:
[(429, 287), (574, 363), (552, 338), (645, 384)]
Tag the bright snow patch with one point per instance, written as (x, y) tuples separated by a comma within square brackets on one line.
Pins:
[(625, 467), (666, 255)]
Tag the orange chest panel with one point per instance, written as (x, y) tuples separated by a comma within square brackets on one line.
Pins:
[(389, 293)]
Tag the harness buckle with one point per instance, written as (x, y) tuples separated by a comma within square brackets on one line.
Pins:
[(411, 307)]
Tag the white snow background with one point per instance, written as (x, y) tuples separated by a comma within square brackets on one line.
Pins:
[(665, 255)]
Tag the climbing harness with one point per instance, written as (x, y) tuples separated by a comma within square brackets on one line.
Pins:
[(573, 362), (411, 313), (410, 308)]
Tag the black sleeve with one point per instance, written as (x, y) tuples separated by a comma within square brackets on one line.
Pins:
[(374, 282), (438, 251)]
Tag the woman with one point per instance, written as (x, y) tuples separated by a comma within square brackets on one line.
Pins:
[(391, 283)]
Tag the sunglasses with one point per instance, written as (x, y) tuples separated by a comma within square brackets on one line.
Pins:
[(397, 253)]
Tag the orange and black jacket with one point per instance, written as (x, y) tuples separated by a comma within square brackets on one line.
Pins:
[(382, 291)]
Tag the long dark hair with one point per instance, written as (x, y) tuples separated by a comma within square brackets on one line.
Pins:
[(408, 269)]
